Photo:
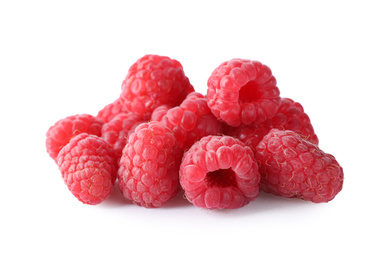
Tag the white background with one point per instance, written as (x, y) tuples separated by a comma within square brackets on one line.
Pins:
[(59, 58)]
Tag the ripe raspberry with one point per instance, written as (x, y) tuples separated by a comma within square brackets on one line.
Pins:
[(117, 131), (63, 130), (294, 168), (219, 172), (191, 120), (111, 110), (148, 171), (88, 167), (153, 81), (242, 92), (290, 116)]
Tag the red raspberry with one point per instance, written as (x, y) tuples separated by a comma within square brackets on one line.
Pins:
[(88, 167), (63, 130), (148, 171), (153, 81), (295, 168), (191, 120), (117, 131), (242, 92), (290, 116), (219, 172), (111, 110)]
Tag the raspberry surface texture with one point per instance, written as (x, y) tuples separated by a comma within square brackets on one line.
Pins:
[(159, 112), (117, 131), (111, 110), (153, 81), (149, 167), (88, 166), (219, 172), (59, 134), (290, 116), (295, 168), (191, 121), (242, 91)]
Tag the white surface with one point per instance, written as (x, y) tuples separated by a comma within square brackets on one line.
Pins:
[(59, 59)]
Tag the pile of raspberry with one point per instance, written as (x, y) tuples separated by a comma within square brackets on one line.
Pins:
[(160, 137)]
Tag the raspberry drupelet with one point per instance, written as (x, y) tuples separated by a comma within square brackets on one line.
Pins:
[(159, 112), (219, 172), (242, 92), (153, 81), (295, 168)]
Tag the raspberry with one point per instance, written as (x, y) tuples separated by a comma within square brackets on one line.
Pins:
[(148, 171), (290, 116), (117, 131), (219, 172), (295, 168), (153, 81), (111, 110), (88, 167), (63, 130), (242, 92), (191, 120)]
